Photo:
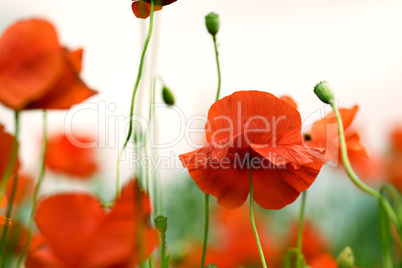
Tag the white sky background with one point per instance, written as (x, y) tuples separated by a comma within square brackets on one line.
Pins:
[(283, 47)]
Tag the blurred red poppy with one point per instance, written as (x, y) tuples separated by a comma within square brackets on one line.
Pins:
[(314, 243), (36, 72), (234, 242), (142, 9), (253, 130), (77, 232), (64, 157), (324, 134), (3, 203), (6, 145), (393, 159)]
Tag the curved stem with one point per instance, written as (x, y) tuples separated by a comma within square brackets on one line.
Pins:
[(204, 247), (137, 82), (348, 167), (37, 189), (257, 239), (300, 230), (14, 188), (206, 227), (219, 69)]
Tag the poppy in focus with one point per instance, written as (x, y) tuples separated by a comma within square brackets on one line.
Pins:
[(65, 157), (36, 72), (142, 8), (253, 130), (4, 220), (77, 232)]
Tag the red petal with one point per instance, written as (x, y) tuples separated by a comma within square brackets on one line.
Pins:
[(277, 187), (69, 222), (282, 154), (289, 100), (69, 90), (118, 242), (6, 145), (229, 185), (30, 62), (261, 116)]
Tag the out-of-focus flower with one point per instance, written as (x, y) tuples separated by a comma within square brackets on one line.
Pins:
[(313, 241), (77, 232), (253, 130), (6, 145), (36, 72), (393, 159), (324, 134), (3, 203), (142, 8), (64, 157), (24, 188), (323, 260), (232, 242)]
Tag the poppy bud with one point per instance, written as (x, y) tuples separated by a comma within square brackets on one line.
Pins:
[(346, 258), (212, 23), (211, 265), (167, 96), (324, 92), (161, 223)]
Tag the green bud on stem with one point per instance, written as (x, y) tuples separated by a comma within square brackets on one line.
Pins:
[(161, 223), (167, 96), (324, 92), (211, 265), (212, 23)]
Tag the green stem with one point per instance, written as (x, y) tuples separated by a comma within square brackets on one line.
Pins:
[(348, 167), (137, 82), (257, 239), (385, 238), (163, 250), (300, 230), (37, 189), (206, 227), (219, 69), (14, 188), (204, 248)]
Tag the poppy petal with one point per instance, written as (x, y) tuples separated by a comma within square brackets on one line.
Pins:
[(160, 2), (295, 154), (289, 100), (142, 9), (3, 200), (117, 243), (202, 156), (230, 186), (277, 187), (68, 222), (258, 114), (30, 62), (6, 145)]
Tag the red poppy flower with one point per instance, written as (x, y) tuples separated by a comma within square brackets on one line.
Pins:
[(324, 134), (3, 203), (142, 8), (64, 157), (36, 72), (256, 130), (77, 232), (6, 145)]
